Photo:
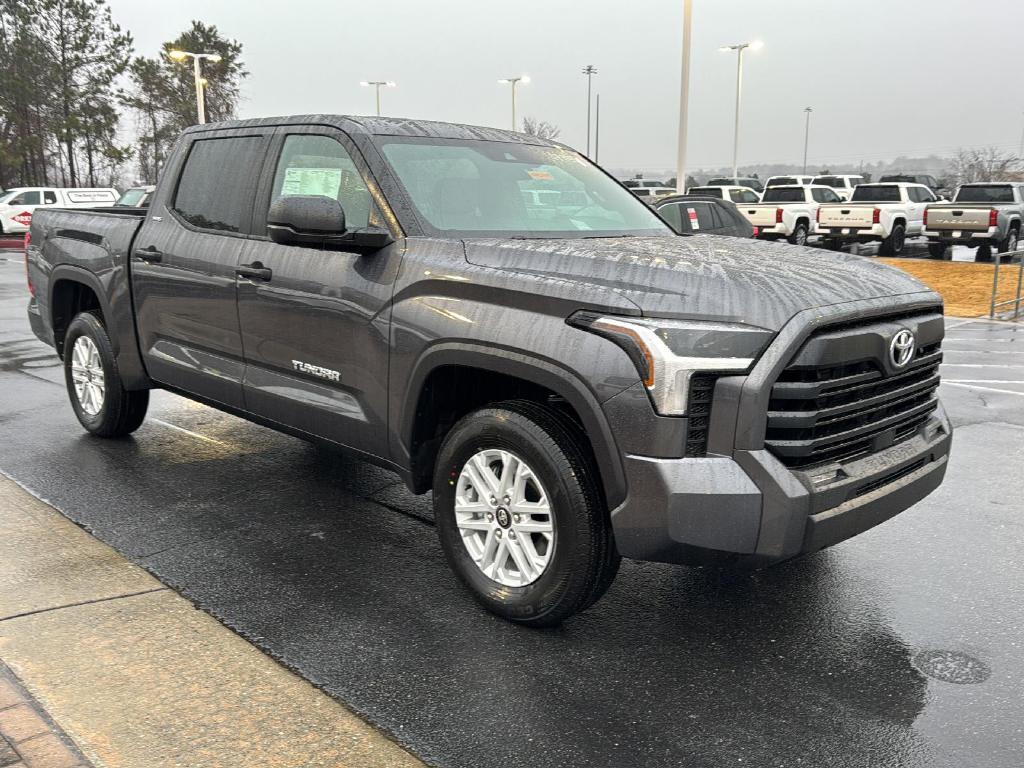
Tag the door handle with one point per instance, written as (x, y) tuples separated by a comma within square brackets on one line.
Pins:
[(255, 271), (150, 254)]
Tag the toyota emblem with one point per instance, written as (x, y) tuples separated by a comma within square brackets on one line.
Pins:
[(901, 349)]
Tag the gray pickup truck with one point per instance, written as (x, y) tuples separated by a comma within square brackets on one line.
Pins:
[(497, 320), (982, 215)]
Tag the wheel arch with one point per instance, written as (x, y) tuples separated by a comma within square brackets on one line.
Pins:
[(422, 420), (73, 290)]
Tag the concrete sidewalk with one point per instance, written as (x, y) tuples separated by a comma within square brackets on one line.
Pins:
[(136, 677)]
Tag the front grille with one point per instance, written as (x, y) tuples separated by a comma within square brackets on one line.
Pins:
[(838, 412)]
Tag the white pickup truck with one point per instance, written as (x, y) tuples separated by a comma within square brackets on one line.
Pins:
[(789, 211), (18, 204), (886, 213)]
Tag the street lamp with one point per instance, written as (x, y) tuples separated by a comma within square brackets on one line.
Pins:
[(807, 134), (197, 71), (739, 48), (378, 84), (590, 70), (514, 81)]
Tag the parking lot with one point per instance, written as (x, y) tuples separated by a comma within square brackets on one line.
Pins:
[(900, 647)]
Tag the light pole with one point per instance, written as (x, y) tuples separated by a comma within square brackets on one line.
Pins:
[(684, 98), (378, 84), (807, 135), (739, 48), (590, 70), (197, 71), (514, 81)]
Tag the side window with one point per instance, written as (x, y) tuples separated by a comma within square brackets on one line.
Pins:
[(830, 196), (320, 165), (738, 196), (215, 187), (750, 197), (49, 197), (26, 198), (671, 214), (818, 195), (706, 216)]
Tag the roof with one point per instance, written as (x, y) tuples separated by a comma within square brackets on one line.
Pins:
[(383, 126)]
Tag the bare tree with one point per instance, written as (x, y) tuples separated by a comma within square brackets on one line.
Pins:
[(540, 128), (985, 164)]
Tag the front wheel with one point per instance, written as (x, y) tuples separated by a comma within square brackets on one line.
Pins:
[(100, 401), (520, 515)]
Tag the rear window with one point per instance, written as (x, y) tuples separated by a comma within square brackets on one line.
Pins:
[(783, 195), (215, 190), (989, 193), (830, 181), (782, 181), (711, 191), (876, 193)]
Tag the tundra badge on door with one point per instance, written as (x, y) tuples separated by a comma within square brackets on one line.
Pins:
[(316, 370)]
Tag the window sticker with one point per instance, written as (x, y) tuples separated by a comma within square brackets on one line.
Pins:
[(541, 175), (312, 181), (694, 224)]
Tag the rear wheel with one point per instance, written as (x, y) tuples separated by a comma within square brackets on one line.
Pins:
[(937, 250), (893, 244), (799, 236), (833, 244), (100, 401), (1009, 243), (520, 515)]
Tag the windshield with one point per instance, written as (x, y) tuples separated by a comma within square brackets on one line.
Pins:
[(500, 188), (875, 193), (783, 195), (9, 195), (989, 193), (132, 197)]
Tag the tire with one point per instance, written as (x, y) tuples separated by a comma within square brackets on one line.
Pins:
[(832, 243), (799, 236), (582, 559), (106, 410), (893, 244), (1009, 243), (984, 253), (937, 250)]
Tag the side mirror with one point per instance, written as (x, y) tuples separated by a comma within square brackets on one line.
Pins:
[(318, 221)]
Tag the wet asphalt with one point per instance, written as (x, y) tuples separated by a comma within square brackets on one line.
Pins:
[(901, 647)]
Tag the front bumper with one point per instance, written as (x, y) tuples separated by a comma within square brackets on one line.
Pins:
[(750, 510)]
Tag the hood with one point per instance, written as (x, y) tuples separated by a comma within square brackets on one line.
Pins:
[(704, 277)]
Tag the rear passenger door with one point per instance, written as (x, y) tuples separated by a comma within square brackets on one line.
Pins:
[(315, 325), (184, 259)]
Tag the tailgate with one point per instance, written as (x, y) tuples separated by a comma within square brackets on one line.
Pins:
[(973, 218), (759, 215), (846, 215)]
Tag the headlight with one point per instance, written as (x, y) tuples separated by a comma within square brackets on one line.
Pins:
[(668, 352)]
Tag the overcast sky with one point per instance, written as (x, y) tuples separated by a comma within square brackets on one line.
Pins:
[(884, 77)]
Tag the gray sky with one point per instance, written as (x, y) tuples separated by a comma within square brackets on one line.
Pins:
[(885, 77)]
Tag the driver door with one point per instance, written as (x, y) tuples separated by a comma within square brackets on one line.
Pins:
[(315, 322)]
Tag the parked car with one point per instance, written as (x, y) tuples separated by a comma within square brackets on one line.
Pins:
[(926, 179), (136, 197), (786, 181), (983, 215), (738, 195), (647, 193), (574, 386), (841, 183), (17, 205), (701, 215), (885, 213), (741, 181), (788, 212)]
